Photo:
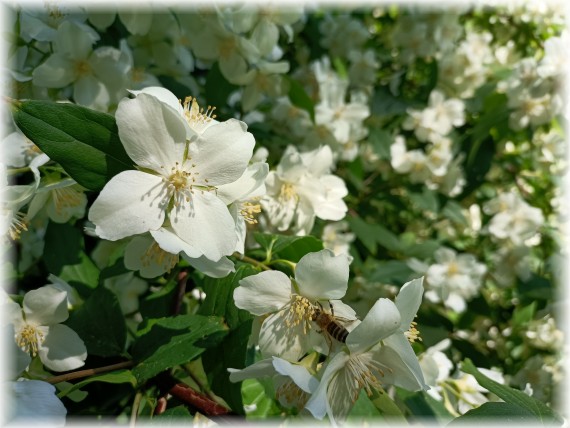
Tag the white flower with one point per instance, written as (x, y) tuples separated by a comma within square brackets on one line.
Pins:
[(34, 402), (377, 352), (177, 177), (438, 119), (513, 218), (470, 393), (412, 162), (127, 287), (543, 334), (18, 151), (60, 200), (337, 238), (38, 329), (454, 278), (291, 302), (342, 34), (436, 367), (293, 382), (301, 189)]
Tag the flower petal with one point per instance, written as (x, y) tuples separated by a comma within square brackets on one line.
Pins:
[(278, 339), (263, 293), (142, 257), (259, 369), (214, 269), (322, 275), (54, 72), (169, 241), (408, 300), (221, 153), (206, 224), (36, 402), (130, 204), (46, 305), (62, 349), (299, 374), (163, 95), (250, 185), (152, 133), (382, 320)]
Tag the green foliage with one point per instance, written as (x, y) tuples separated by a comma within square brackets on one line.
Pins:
[(298, 97), (493, 412), (116, 377), (83, 141), (167, 342), (291, 248)]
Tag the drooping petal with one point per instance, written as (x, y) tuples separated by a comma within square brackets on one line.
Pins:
[(382, 320), (142, 255), (152, 133), (46, 305), (131, 203), (408, 300), (397, 354), (263, 293), (250, 185), (299, 374), (62, 349), (214, 269), (221, 153), (169, 241), (322, 275), (206, 224), (318, 404), (259, 369)]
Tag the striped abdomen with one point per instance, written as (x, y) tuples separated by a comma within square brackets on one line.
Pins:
[(337, 331)]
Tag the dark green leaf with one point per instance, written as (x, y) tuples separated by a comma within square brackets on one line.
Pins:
[(536, 287), (167, 342), (513, 396), (119, 376), (217, 87), (100, 323), (391, 272), (160, 303), (362, 410), (423, 405), (497, 412), (523, 315), (364, 232), (83, 141), (254, 393), (289, 247), (387, 406), (173, 416), (381, 141), (299, 97)]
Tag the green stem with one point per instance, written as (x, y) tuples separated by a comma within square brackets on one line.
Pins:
[(283, 261), (251, 261)]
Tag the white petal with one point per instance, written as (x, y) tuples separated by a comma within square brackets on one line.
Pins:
[(131, 203), (206, 224), (322, 275), (54, 72), (86, 89), (299, 374), (278, 339), (163, 95), (382, 320), (250, 185), (169, 241), (263, 293), (73, 41), (257, 370), (46, 305), (62, 349), (152, 133), (221, 153), (215, 269), (318, 404), (398, 355), (36, 403), (140, 256), (408, 300)]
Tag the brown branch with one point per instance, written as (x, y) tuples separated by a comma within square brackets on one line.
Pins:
[(197, 400), (89, 372)]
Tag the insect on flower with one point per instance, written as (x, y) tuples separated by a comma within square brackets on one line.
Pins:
[(329, 324)]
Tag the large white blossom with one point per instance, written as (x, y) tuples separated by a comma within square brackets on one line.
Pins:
[(377, 352), (290, 303), (302, 188), (38, 329), (182, 159)]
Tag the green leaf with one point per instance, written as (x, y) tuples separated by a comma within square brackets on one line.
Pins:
[(100, 323), (495, 412), (523, 315), (513, 396), (220, 297), (167, 342), (536, 287), (425, 201), (387, 407), (422, 404), (83, 141), (292, 248), (381, 141), (173, 416), (64, 257), (363, 409), (299, 97), (364, 232), (391, 272), (217, 87), (119, 376), (255, 397), (160, 303), (231, 353)]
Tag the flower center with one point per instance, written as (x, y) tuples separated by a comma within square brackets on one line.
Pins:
[(301, 311), (249, 210), (413, 333), (359, 372), (288, 192), (82, 67), (195, 115), (292, 394), (18, 223), (156, 255), (452, 268), (29, 339), (65, 198)]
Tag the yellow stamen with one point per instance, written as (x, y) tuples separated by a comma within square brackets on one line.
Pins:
[(29, 339), (249, 210), (301, 311)]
